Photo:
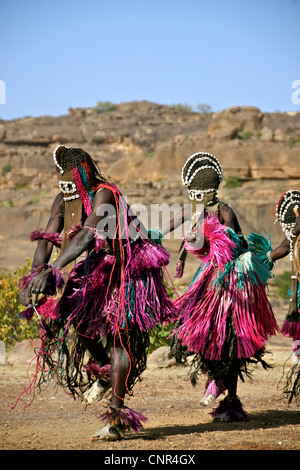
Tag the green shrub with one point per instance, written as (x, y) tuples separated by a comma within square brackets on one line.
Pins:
[(6, 169), (103, 106), (247, 135), (283, 284), (233, 182), (8, 203), (13, 329), (290, 142), (186, 108), (204, 108), (159, 337)]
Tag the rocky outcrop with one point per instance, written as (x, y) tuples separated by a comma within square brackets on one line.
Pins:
[(142, 147)]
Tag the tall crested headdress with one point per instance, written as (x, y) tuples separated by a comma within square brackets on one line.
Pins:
[(77, 165), (286, 211), (201, 173)]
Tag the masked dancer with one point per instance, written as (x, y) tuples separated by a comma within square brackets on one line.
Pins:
[(104, 304), (226, 317), (287, 212)]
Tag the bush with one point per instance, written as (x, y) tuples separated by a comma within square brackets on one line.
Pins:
[(204, 108), (159, 337), (103, 106), (246, 135), (12, 329), (233, 182), (283, 284), (6, 169), (186, 108)]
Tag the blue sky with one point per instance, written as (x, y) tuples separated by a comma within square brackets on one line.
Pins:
[(56, 54)]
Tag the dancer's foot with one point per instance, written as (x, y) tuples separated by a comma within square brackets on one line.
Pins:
[(207, 400), (110, 432), (229, 410), (222, 418), (96, 392), (213, 391)]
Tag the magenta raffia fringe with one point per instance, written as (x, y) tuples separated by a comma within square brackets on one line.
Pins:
[(233, 409), (128, 418), (251, 311), (50, 237), (215, 388), (221, 248), (148, 256), (179, 270), (57, 277), (145, 303), (73, 231), (47, 307), (291, 329), (219, 290), (100, 372)]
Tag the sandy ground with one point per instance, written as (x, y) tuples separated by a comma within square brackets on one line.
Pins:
[(176, 421)]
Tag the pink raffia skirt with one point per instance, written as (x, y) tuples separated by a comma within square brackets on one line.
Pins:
[(230, 284)]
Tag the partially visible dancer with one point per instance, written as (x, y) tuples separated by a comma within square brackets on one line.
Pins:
[(110, 300), (287, 212), (226, 318)]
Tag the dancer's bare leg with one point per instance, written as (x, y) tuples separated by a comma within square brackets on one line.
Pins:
[(231, 409), (120, 364), (97, 391), (231, 380)]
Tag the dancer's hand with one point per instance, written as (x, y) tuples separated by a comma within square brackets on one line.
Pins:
[(297, 226), (198, 240), (25, 296), (40, 283), (191, 237)]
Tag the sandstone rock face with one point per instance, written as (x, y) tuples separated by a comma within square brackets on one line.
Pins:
[(229, 123), (142, 147)]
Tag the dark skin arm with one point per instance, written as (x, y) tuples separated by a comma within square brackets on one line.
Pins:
[(227, 216), (283, 249), (55, 224), (44, 248), (178, 220), (78, 245)]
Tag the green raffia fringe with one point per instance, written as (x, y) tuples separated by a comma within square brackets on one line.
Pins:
[(86, 183), (261, 245)]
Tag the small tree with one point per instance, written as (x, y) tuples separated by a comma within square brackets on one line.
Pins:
[(203, 108), (103, 106)]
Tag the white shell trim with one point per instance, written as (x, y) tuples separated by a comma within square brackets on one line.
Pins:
[(64, 187), (216, 166), (55, 160), (289, 198), (75, 196)]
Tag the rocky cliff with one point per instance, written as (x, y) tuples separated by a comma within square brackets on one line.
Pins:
[(142, 147)]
